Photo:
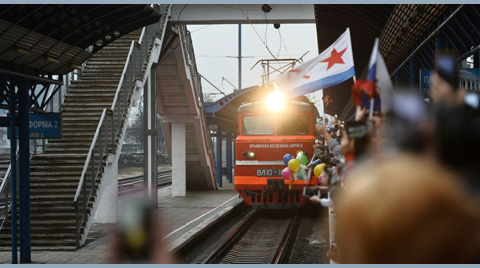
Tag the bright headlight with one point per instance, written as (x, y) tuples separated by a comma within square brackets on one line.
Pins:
[(249, 154), (276, 101)]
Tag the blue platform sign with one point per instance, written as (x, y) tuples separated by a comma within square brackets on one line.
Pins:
[(425, 80), (44, 126)]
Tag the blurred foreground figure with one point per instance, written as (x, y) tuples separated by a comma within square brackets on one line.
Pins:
[(445, 81), (407, 210), (138, 237)]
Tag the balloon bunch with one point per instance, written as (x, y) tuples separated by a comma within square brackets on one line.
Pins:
[(296, 168)]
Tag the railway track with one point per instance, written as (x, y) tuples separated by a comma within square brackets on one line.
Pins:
[(135, 184), (259, 239)]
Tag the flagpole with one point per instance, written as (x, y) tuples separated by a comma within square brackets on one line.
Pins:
[(370, 113), (354, 79)]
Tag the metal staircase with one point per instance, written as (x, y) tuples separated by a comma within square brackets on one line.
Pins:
[(66, 178)]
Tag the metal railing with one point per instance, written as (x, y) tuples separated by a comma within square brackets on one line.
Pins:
[(187, 44), (5, 194), (109, 129)]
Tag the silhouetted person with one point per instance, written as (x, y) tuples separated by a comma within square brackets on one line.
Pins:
[(407, 210)]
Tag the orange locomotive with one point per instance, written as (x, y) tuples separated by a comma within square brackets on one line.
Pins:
[(264, 138)]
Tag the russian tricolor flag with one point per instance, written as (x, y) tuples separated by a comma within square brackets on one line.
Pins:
[(378, 74), (333, 66)]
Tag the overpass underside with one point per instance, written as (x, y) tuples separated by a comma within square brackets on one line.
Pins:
[(180, 106)]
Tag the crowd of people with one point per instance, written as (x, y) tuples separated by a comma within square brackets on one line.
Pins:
[(402, 186), (405, 185)]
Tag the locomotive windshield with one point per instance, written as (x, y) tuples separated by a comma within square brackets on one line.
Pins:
[(276, 126), (258, 125), (293, 125)]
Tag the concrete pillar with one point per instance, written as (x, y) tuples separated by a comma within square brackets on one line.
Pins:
[(106, 211), (179, 157), (150, 163)]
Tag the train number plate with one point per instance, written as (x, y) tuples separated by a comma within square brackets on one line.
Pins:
[(269, 172)]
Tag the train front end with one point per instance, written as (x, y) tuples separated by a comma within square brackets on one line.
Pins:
[(264, 138)]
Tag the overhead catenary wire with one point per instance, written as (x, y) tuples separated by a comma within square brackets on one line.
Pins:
[(196, 30), (251, 56), (219, 90), (284, 45), (259, 37)]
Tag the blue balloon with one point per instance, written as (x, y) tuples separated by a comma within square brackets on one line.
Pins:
[(287, 158)]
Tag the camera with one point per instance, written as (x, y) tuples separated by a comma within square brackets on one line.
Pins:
[(358, 129), (309, 192)]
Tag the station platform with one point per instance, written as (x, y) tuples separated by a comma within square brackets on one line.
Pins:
[(183, 219)]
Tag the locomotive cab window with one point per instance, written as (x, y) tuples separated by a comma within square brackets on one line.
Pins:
[(293, 125), (258, 125)]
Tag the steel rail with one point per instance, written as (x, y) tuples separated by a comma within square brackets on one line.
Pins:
[(288, 239), (283, 250), (162, 174), (223, 249)]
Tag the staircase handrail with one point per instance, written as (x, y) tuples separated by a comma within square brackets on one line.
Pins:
[(90, 153), (111, 122), (5, 178), (5, 190)]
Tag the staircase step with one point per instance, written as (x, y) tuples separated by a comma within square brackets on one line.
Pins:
[(57, 184), (57, 167), (85, 109), (86, 130), (90, 120), (77, 139), (53, 173), (69, 150), (91, 103), (98, 87), (97, 79), (35, 235), (82, 97), (46, 229), (50, 180), (56, 156), (69, 144), (90, 115), (50, 216)]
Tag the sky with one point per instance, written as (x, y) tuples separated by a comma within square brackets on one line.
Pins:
[(216, 45)]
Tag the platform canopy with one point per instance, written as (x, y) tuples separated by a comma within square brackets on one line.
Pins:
[(226, 108), (55, 39)]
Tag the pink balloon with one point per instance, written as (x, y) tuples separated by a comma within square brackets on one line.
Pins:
[(286, 173)]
